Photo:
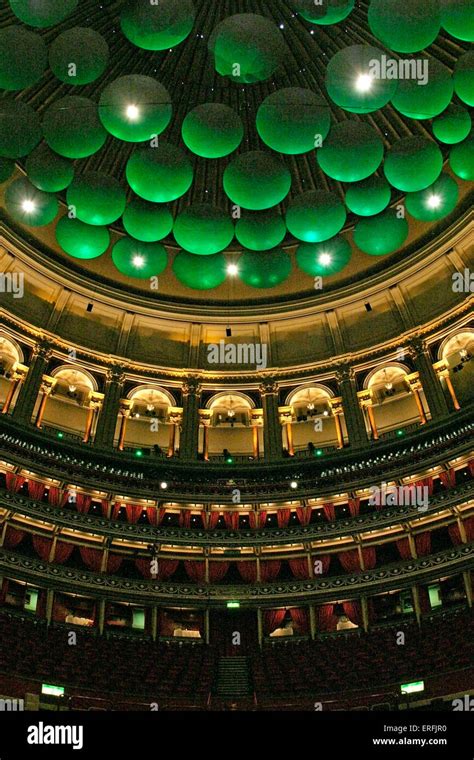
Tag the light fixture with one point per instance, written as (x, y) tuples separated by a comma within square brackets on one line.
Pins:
[(310, 406), (133, 112), (150, 408), (231, 413), (293, 484), (232, 269), (28, 206), (389, 386), (433, 201), (163, 485), (325, 413), (325, 259), (138, 261), (72, 389), (463, 353), (364, 82)]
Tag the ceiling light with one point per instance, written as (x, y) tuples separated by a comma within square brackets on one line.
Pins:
[(364, 82), (232, 269), (72, 389), (434, 201), (325, 259), (163, 485), (138, 261), (133, 113), (293, 484), (28, 206)]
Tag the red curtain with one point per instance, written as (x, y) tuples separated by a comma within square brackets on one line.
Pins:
[(354, 506), (329, 512), (134, 512), (350, 561), (304, 515), (231, 520), (257, 519), (273, 619), (300, 616), (35, 490), (205, 518), (325, 560), (42, 547), (448, 478), (113, 563), (13, 537), (327, 621), (14, 482), (104, 506), (93, 559), (217, 571), (370, 557), (116, 509), (353, 612), (41, 605), (299, 568), (455, 535), (56, 497), (426, 483), (62, 552), (471, 467), (403, 546), (184, 519), (166, 568), (248, 571), (83, 503), (196, 571), (269, 569), (155, 516), (213, 520), (424, 598), (283, 517), (423, 543)]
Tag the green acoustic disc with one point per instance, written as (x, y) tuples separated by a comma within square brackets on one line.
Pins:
[(82, 241), (135, 108), (356, 79), (23, 58), (138, 259), (72, 127), (457, 17), (324, 12), (20, 129), (78, 56), (406, 27), (7, 167), (247, 48), (200, 272), (435, 202), (157, 25), (461, 159), (147, 221), (264, 269), (464, 78), (159, 174), (203, 229), (212, 130), (345, 141), (425, 101), (257, 180), (413, 163), (293, 120), (260, 230), (28, 205), (382, 234), (453, 125), (48, 171), (368, 197), (316, 215), (324, 259), (96, 198), (42, 13)]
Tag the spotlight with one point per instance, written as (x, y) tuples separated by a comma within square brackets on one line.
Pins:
[(232, 269), (293, 484), (433, 201), (29, 207), (138, 261), (364, 82), (164, 485), (325, 259), (133, 113)]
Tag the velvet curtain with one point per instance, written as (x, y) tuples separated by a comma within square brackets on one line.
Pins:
[(353, 611), (351, 563), (217, 571), (327, 621), (248, 571), (273, 619), (471, 467), (57, 497), (14, 482), (185, 518), (448, 478), (83, 503), (455, 535), (166, 568), (13, 537), (426, 483), (231, 520), (196, 570), (299, 568), (257, 519), (62, 552), (269, 569), (325, 560), (304, 515), (35, 490), (283, 517), (300, 617), (134, 512), (354, 506), (104, 507), (329, 511), (93, 559), (42, 547)]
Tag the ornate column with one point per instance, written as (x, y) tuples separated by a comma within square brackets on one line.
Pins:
[(337, 412), (46, 389), (442, 370), (107, 421), (18, 376), (271, 421), (286, 419), (191, 390), (414, 385), (175, 418), (429, 379), (312, 621), (125, 412), (256, 422), (95, 403), (366, 403), (353, 413), (205, 416), (29, 389)]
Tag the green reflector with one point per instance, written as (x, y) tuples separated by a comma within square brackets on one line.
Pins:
[(53, 691), (414, 686)]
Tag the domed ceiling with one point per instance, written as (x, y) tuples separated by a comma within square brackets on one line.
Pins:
[(234, 150)]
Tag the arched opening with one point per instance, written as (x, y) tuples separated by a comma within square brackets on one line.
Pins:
[(395, 398), (68, 404), (226, 424), (313, 421), (146, 420), (458, 353)]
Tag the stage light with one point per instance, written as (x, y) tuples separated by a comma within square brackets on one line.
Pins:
[(163, 485), (364, 83), (232, 269), (325, 259), (434, 201), (138, 261), (293, 484), (133, 113), (28, 206)]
